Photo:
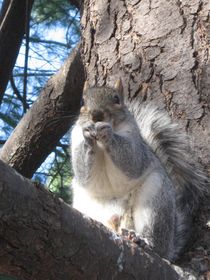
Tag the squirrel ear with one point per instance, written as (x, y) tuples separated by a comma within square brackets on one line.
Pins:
[(118, 86), (85, 87)]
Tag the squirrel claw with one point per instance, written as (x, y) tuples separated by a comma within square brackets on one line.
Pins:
[(133, 236)]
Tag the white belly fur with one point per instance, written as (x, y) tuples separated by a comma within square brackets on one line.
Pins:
[(109, 190), (102, 209)]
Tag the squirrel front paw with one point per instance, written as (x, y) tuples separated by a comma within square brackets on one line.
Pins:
[(103, 132), (89, 133)]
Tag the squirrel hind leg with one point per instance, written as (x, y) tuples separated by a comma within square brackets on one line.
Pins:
[(114, 222)]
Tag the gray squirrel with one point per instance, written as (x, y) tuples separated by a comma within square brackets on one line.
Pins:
[(131, 170)]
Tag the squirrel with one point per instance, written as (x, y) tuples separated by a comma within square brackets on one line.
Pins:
[(131, 170)]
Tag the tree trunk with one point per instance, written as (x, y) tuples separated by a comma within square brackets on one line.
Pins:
[(4, 8), (38, 133), (43, 238), (160, 50), (12, 29)]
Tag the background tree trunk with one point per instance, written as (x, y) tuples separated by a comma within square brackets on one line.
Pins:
[(12, 29), (160, 49), (39, 131)]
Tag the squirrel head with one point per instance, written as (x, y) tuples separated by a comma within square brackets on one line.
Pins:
[(103, 103)]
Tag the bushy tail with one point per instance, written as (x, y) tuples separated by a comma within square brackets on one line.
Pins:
[(171, 145)]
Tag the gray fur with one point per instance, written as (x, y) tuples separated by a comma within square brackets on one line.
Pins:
[(171, 145), (134, 164)]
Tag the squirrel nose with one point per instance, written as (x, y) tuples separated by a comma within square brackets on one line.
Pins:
[(97, 116)]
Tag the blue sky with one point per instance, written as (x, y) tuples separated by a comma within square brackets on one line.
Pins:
[(42, 59)]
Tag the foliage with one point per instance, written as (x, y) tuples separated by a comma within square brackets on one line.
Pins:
[(54, 30), (56, 13), (60, 176)]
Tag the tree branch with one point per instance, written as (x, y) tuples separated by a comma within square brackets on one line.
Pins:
[(25, 77), (48, 120), (12, 29), (37, 40), (77, 3), (44, 238), (17, 93)]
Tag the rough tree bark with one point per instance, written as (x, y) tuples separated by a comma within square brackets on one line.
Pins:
[(43, 238), (12, 30), (161, 50), (47, 121)]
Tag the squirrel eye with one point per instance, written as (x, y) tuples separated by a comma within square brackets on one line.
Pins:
[(116, 99), (82, 102)]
